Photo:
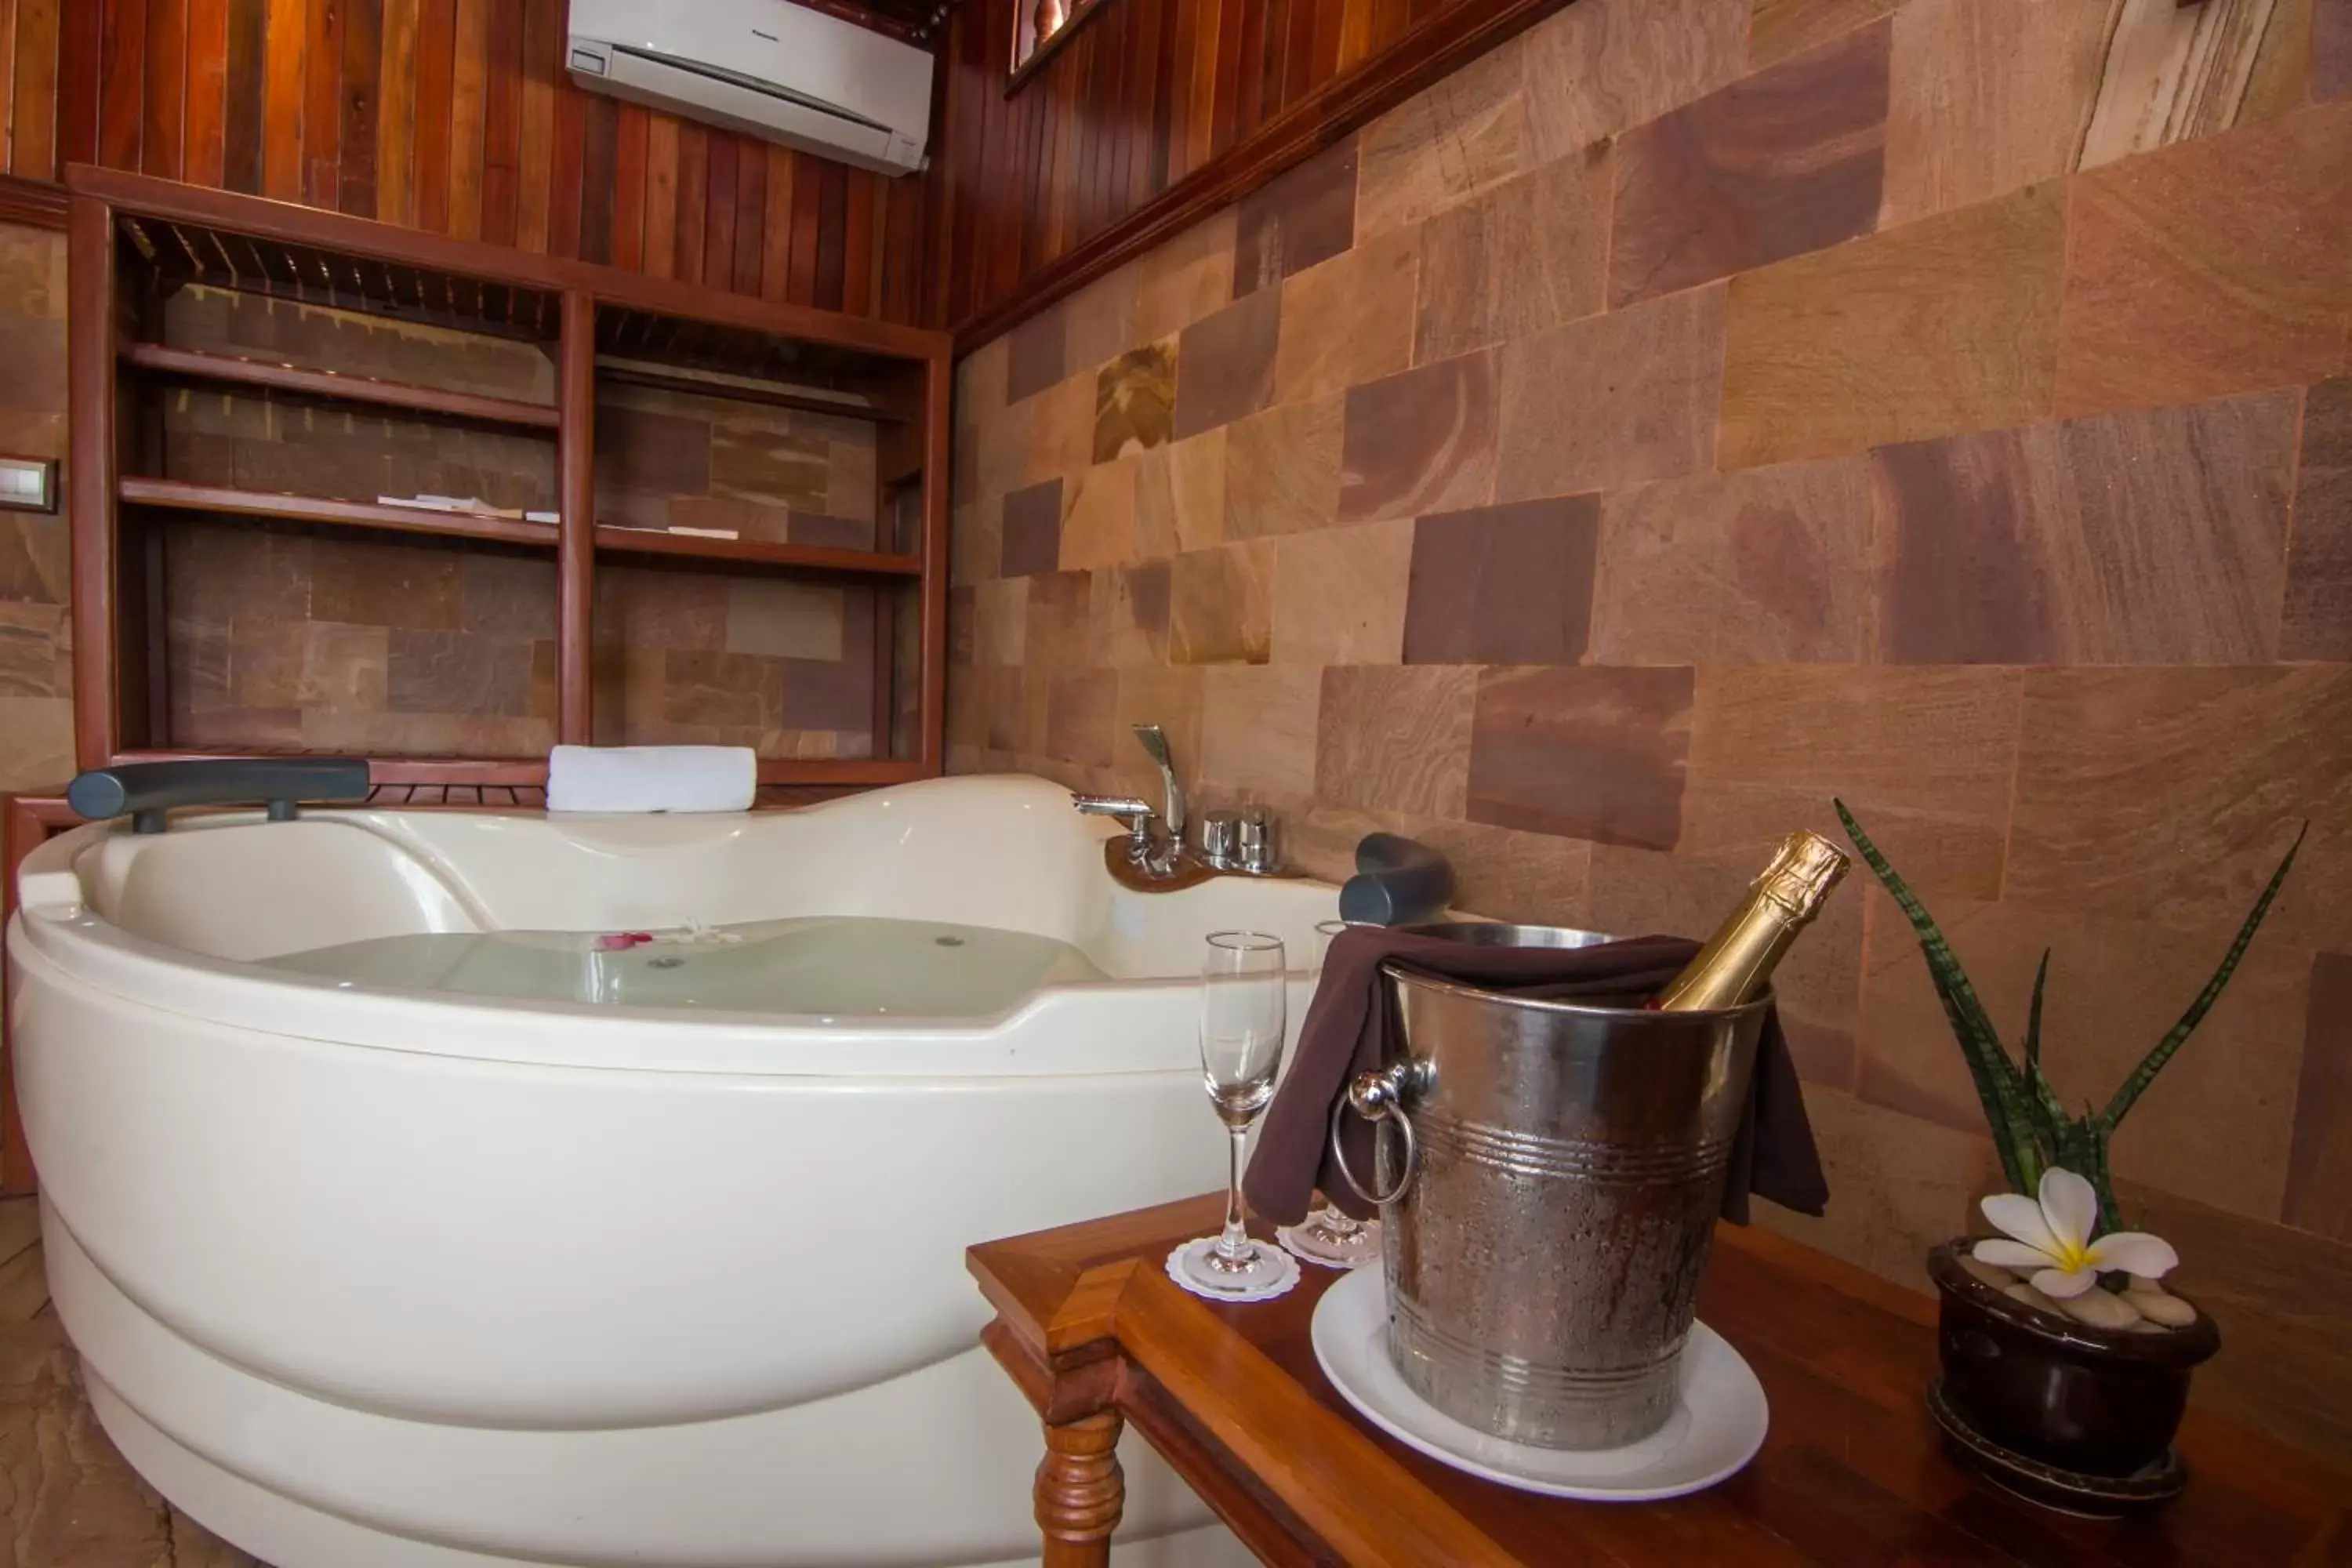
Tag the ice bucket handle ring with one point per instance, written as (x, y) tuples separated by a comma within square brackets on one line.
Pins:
[(1379, 1098)]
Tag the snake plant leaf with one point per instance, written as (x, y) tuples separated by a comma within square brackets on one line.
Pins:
[(2000, 1089), (2128, 1094), (2050, 1110)]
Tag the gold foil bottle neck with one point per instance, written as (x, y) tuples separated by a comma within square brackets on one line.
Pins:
[(1803, 870)]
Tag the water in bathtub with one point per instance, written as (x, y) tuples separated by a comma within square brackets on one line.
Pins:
[(827, 966)]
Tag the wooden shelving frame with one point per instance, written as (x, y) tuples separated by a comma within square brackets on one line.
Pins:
[(277, 247)]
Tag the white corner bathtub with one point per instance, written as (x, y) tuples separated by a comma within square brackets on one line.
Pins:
[(366, 1274)]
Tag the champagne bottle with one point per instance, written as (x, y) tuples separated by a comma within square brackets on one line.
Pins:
[(1738, 960)]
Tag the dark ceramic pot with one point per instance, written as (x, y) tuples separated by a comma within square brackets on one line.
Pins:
[(2098, 1402)]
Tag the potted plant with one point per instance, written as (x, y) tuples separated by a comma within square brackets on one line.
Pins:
[(2065, 1359)]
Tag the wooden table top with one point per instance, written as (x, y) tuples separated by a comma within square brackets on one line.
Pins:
[(1853, 1470)]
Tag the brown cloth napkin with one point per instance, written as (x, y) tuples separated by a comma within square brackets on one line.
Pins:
[(1350, 1024)]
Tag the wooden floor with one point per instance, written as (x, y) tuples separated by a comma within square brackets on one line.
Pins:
[(67, 1500)]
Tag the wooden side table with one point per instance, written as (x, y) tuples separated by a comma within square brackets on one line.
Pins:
[(1091, 1328)]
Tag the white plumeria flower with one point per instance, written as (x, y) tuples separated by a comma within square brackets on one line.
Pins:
[(2051, 1238)]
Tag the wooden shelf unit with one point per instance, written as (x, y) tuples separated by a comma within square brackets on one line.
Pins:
[(134, 240)]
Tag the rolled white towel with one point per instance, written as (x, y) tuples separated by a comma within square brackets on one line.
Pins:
[(651, 778)]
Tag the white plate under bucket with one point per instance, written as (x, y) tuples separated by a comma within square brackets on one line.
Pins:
[(1716, 1429)]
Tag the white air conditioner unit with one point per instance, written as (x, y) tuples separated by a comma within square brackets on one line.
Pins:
[(774, 69)]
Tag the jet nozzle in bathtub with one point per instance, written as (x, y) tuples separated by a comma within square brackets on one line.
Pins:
[(147, 791)]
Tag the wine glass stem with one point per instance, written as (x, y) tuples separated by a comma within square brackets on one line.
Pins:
[(1233, 1244)]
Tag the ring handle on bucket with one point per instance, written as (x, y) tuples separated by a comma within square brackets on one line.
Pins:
[(1378, 1096)]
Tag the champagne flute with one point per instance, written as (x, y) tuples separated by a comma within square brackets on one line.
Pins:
[(1242, 1005), (1327, 1236)]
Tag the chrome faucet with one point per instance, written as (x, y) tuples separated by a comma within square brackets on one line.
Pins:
[(1243, 842)]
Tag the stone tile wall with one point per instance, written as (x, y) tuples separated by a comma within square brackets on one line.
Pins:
[(1693, 410), (35, 640)]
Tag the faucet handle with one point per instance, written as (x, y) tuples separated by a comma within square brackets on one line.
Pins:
[(1261, 842)]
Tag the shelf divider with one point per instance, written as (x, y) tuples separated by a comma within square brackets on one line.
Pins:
[(174, 495), (199, 365)]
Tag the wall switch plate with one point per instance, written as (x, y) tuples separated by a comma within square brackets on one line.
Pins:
[(28, 484)]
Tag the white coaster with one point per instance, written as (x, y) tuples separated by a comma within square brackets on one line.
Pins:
[(1716, 1428), (1283, 1274), (1296, 1242)]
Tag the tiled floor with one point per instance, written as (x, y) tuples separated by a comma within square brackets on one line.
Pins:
[(67, 1500)]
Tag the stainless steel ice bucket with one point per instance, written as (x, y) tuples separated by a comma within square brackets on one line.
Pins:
[(1548, 1174)]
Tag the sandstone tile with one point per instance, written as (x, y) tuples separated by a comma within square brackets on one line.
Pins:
[(1779, 28), (1420, 441), (1060, 620), (2331, 51), (852, 483), (1395, 739), (980, 383), (1220, 605), (1987, 95), (1773, 165), (751, 459), (1340, 595), (2169, 795), (1502, 585), (1000, 613), (40, 751), (1179, 495), (1282, 470), (1135, 398), (1185, 279), (2218, 1124), (1924, 757), (265, 665), (2136, 538), (721, 690), (963, 634), (2211, 266), (507, 596), (1347, 319), (1078, 717), (1939, 327), (1591, 753), (35, 564), (1008, 707), (1601, 67), (660, 609), (1613, 400), (829, 528), (36, 650), (976, 543), (1225, 364), (1036, 355), (1759, 566), (1902, 1185), (454, 672), (782, 618), (1129, 614), (1099, 516), (367, 583), (1002, 452), (1061, 429), (1632, 891), (1467, 133), (1521, 260), (1258, 727), (2281, 77), (1305, 214), (1032, 530), (2319, 1160), (1099, 320), (2318, 621), (830, 695)]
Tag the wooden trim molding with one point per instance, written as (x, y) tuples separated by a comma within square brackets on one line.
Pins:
[(1429, 53), (35, 204)]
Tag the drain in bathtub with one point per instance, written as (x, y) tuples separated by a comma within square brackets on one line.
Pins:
[(671, 963), (947, 942)]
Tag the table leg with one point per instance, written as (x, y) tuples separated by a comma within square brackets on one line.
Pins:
[(1080, 1491)]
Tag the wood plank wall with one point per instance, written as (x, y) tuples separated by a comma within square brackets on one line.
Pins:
[(1150, 113), (448, 115)]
